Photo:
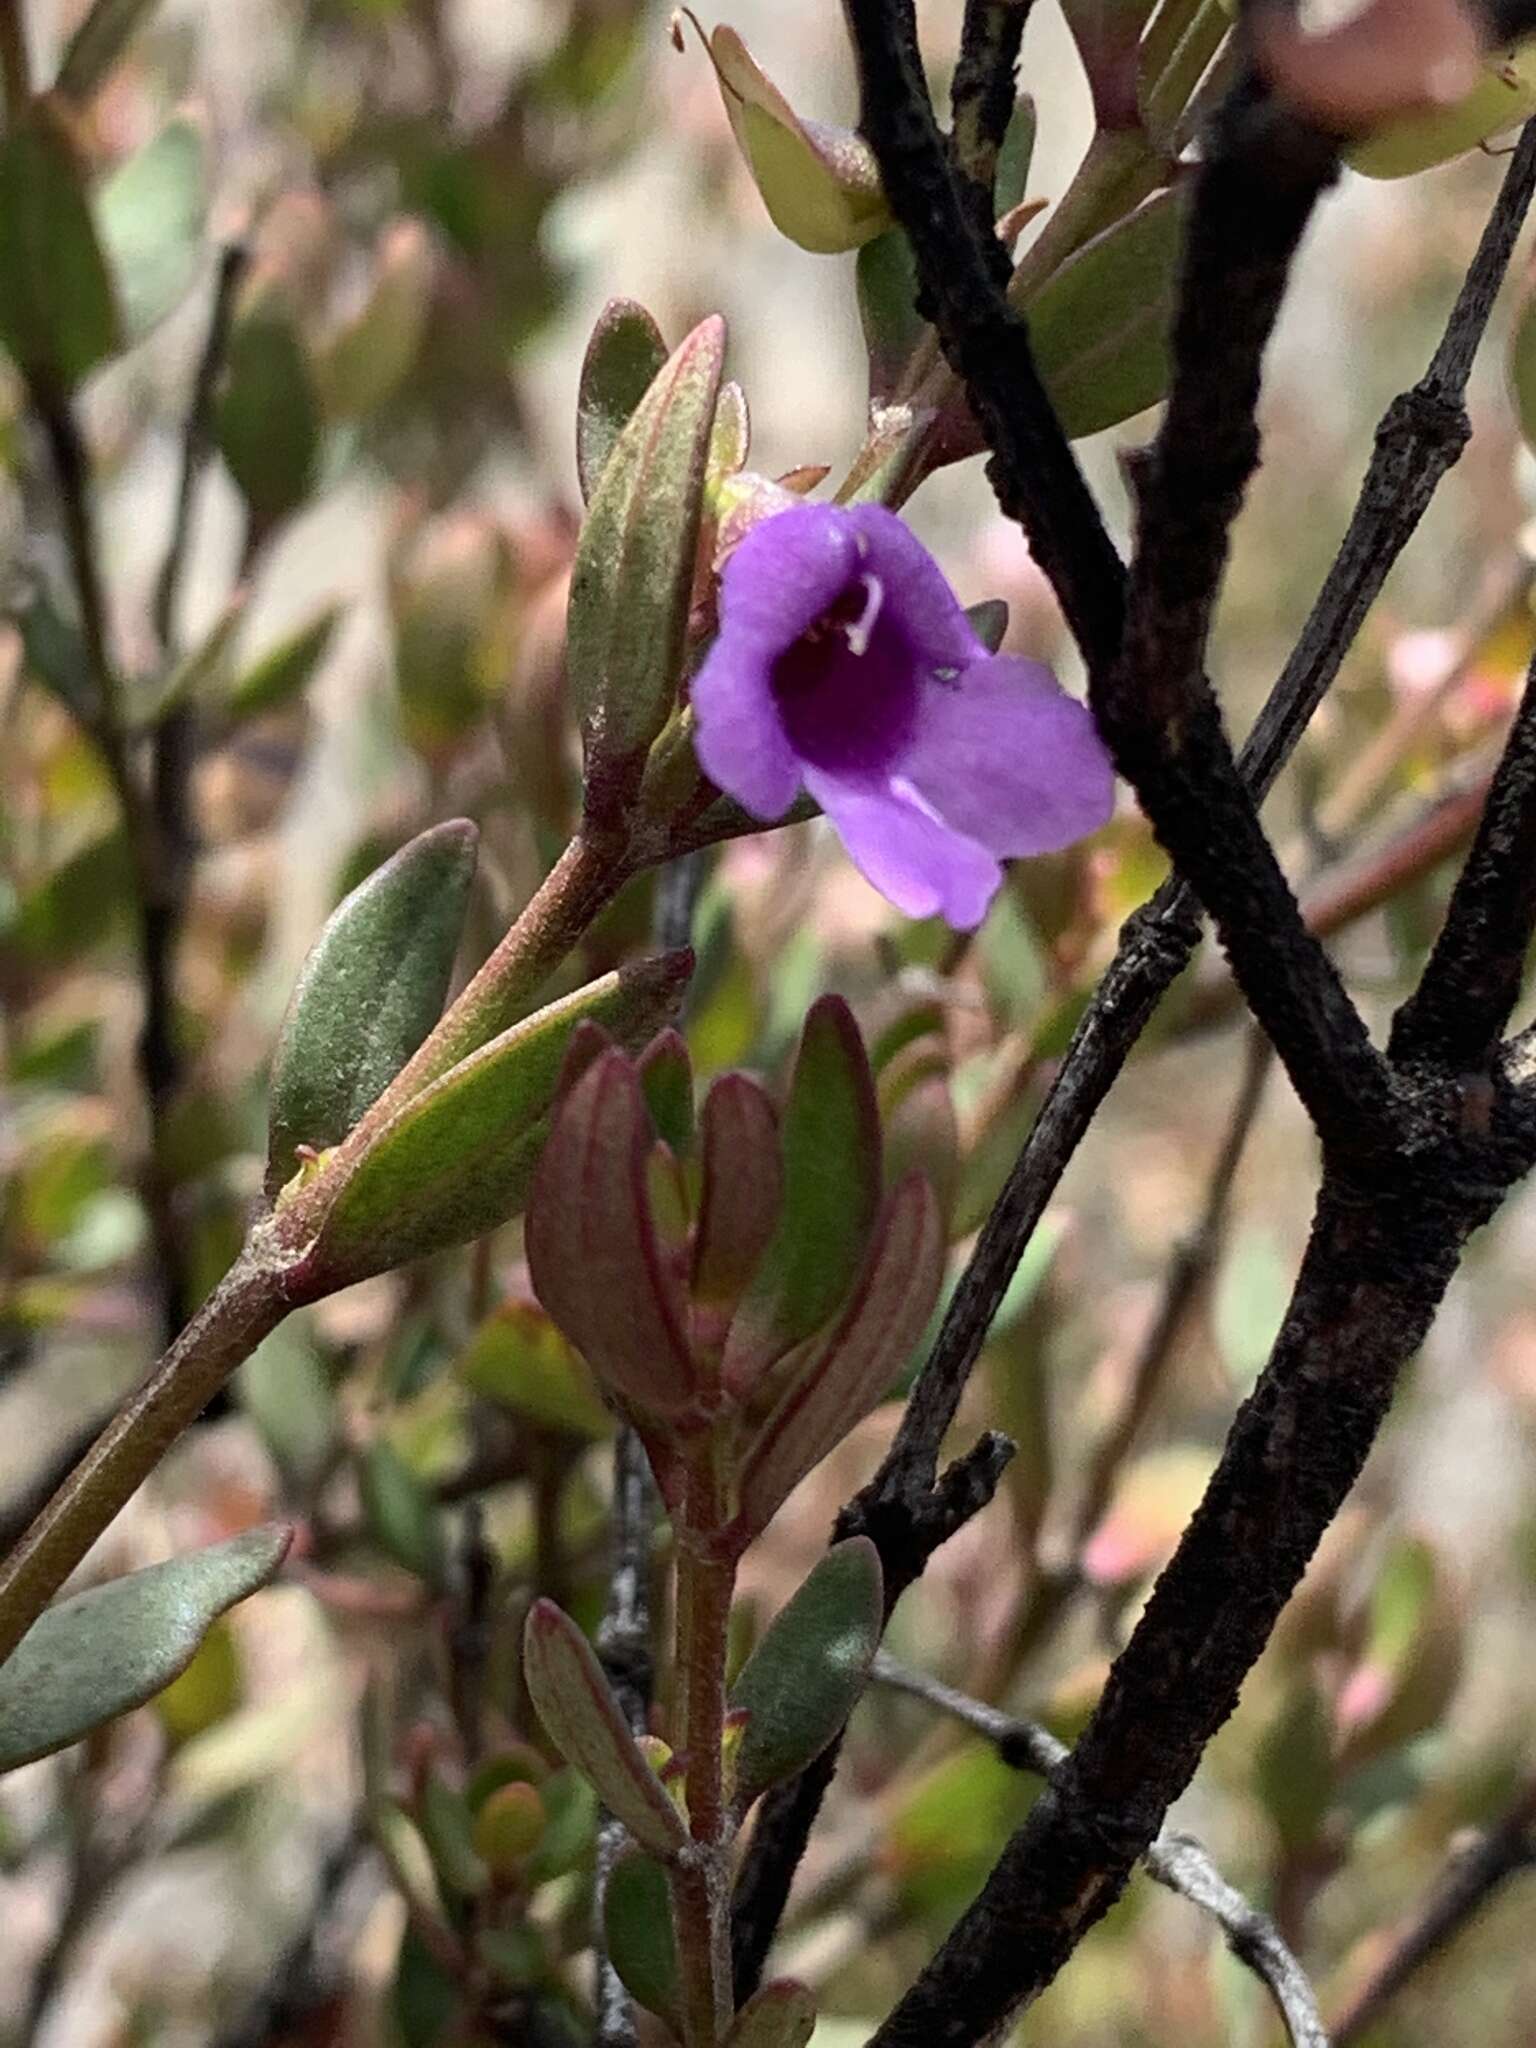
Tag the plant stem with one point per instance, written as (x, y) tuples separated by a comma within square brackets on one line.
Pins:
[(258, 1291), (700, 1884), (585, 879), (248, 1303)]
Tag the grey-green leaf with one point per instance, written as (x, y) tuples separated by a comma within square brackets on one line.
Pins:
[(150, 215), (457, 1160), (632, 580), (642, 1942), (91, 1658), (370, 991), (623, 356), (267, 418), (802, 1681), (58, 317), (1099, 325), (582, 1719)]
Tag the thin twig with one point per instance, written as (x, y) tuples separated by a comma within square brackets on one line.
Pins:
[(1175, 1860), (172, 758), (1473, 976), (196, 443), (1461, 1890)]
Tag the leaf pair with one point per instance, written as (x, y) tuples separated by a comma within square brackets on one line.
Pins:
[(456, 1158), (781, 1300)]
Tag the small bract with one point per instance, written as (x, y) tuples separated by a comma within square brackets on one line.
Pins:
[(845, 666)]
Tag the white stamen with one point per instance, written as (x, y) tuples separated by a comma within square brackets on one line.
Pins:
[(859, 631)]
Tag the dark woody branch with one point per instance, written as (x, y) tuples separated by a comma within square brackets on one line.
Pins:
[(1156, 711), (981, 94), (1473, 977), (1420, 437), (1175, 1860), (964, 271), (1421, 1165), (1252, 200), (906, 1532)]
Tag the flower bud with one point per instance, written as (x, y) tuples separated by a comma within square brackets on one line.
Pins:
[(508, 1828)]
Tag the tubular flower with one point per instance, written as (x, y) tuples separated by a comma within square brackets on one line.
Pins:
[(846, 667)]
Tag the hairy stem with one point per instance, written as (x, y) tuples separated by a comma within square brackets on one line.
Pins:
[(701, 1892)]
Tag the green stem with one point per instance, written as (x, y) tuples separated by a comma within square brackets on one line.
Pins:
[(249, 1302)]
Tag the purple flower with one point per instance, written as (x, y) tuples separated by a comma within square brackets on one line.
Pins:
[(845, 666)]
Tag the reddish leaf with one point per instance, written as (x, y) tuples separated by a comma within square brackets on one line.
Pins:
[(847, 1375), (593, 1252)]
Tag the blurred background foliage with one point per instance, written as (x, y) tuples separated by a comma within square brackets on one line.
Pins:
[(296, 1840)]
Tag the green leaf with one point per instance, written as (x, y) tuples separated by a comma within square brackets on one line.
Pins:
[(642, 1942), (519, 1360), (666, 1081), (583, 1720), (448, 1830), (1099, 325), (283, 672), (1107, 34), (283, 1387), (886, 274), (57, 313), (989, 621), (267, 418), (1293, 1766), (457, 1160), (632, 580), (56, 657), (93, 1657), (403, 1516), (623, 357), (199, 671), (1503, 97), (370, 991), (375, 352), (85, 898), (804, 1678), (1016, 155), (150, 215), (96, 45), (781, 2015), (821, 185), (831, 1146), (1521, 371)]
